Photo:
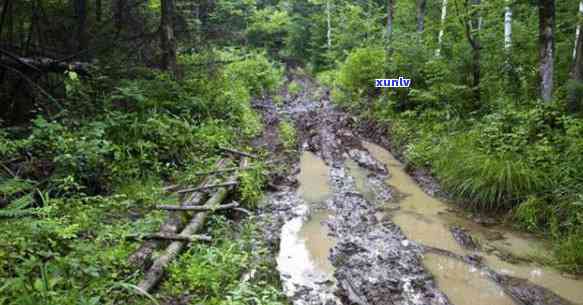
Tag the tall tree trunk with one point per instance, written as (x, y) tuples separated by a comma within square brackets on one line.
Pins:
[(473, 36), (573, 99), (508, 28), (546, 47), (167, 37), (390, 16), (442, 29), (118, 7), (578, 31), (329, 24), (421, 5), (81, 12), (5, 9), (98, 10)]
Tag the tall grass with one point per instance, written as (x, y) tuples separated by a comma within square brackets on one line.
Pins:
[(486, 181)]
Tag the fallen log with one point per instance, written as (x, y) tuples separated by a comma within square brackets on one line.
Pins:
[(226, 170), (237, 152), (43, 64), (170, 188), (170, 226), (153, 276), (206, 187), (172, 237), (197, 207)]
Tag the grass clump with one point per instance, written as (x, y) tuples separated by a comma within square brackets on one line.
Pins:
[(287, 134), (486, 181), (294, 88)]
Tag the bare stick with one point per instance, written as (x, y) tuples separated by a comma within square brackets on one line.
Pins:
[(170, 226), (153, 276), (170, 188), (226, 170), (176, 237), (206, 187), (197, 208), (242, 153)]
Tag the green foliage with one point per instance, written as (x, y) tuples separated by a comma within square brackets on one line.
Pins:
[(356, 76), (287, 133), (569, 253), (486, 181), (532, 214), (257, 74), (212, 273), (89, 179), (294, 88), (251, 186), (268, 28)]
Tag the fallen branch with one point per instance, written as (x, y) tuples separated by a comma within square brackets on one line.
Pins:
[(197, 208), (43, 64), (226, 170), (170, 188), (206, 187), (153, 276), (172, 237), (170, 226), (237, 152), (242, 210)]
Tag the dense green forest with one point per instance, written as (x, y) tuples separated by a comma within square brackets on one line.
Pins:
[(105, 104)]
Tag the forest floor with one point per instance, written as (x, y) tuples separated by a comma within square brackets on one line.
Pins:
[(348, 225)]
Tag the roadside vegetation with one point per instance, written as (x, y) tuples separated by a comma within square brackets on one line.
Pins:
[(496, 147), (106, 103), (74, 190)]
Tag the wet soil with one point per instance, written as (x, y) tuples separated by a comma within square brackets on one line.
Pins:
[(350, 226)]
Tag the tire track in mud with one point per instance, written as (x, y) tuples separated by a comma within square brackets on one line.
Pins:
[(374, 261)]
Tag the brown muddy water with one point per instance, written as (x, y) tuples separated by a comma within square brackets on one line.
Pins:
[(313, 178), (427, 220), (305, 243)]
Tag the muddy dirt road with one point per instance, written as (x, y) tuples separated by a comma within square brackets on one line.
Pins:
[(351, 226)]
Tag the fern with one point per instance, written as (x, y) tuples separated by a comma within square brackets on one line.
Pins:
[(18, 208), (10, 187)]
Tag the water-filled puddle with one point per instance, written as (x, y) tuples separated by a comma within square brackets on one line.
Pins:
[(418, 215), (360, 180), (426, 220), (568, 288), (463, 284), (305, 247), (313, 178)]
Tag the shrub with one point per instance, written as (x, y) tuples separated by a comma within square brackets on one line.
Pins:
[(287, 133), (256, 73), (357, 74), (487, 181), (569, 253), (294, 88)]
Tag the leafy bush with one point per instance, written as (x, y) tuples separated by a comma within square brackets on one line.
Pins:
[(356, 76), (294, 88), (252, 182), (256, 73), (287, 133), (569, 253)]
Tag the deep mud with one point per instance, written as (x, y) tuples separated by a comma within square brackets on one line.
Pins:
[(372, 259)]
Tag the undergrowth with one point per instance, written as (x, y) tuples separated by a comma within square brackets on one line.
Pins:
[(74, 189)]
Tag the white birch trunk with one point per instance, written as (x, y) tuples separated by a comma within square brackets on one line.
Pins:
[(508, 29), (578, 31), (329, 22), (390, 15), (441, 31)]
